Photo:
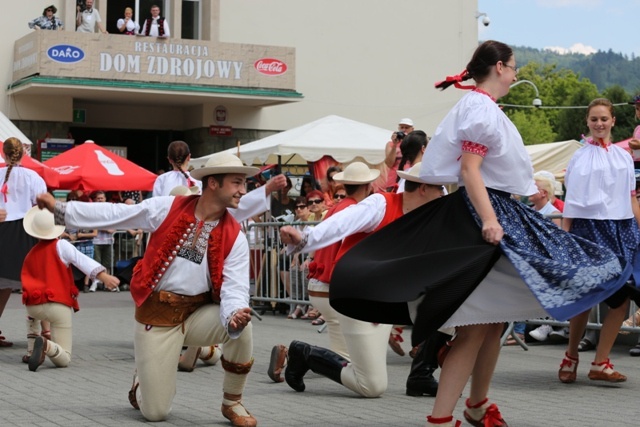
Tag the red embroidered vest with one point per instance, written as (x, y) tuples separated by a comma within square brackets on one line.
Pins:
[(147, 28), (392, 212), (324, 259), (167, 240), (45, 278)]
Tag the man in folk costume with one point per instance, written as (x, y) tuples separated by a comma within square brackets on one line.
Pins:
[(192, 286), (366, 372), (358, 188), (156, 26)]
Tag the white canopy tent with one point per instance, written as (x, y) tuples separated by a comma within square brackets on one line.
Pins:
[(8, 129), (343, 139), (348, 140), (552, 157)]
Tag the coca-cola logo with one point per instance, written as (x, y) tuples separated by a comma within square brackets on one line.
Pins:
[(270, 66)]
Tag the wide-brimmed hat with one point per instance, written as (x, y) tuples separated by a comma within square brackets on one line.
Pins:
[(356, 173), (40, 224), (412, 174), (221, 163), (183, 190), (52, 7)]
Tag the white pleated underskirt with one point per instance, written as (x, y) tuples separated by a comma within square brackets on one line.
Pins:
[(502, 296)]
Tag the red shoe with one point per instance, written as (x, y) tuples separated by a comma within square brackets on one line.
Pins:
[(568, 368), (604, 372), (491, 418)]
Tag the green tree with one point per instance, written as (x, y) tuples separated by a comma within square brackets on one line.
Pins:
[(625, 114)]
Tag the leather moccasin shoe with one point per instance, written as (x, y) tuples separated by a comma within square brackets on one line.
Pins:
[(604, 372), (237, 419), (188, 359), (133, 400), (39, 353), (568, 368), (277, 363)]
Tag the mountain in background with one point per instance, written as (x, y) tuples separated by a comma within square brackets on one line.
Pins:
[(604, 69)]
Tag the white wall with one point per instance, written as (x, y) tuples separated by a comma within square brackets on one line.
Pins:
[(369, 60)]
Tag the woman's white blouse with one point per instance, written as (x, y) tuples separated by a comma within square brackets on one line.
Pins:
[(478, 121), (170, 180), (23, 187), (599, 183)]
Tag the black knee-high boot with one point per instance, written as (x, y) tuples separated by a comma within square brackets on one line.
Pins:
[(421, 380), (303, 357)]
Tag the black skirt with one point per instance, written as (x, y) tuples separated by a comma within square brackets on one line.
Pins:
[(413, 257), (15, 244)]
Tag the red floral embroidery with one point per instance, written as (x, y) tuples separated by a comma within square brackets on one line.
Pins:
[(474, 148)]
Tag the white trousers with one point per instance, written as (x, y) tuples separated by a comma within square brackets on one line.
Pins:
[(336, 338), (157, 350), (367, 344), (59, 315)]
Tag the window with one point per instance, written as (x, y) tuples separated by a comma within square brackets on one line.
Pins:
[(191, 12)]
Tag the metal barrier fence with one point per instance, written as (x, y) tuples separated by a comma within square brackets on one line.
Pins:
[(279, 278), (125, 246), (276, 278)]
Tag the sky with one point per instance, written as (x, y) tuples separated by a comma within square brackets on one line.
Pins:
[(580, 26)]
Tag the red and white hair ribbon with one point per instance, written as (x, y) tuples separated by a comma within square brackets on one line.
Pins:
[(456, 80)]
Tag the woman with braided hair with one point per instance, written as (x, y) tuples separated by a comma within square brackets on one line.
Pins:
[(18, 189), (179, 156), (488, 259)]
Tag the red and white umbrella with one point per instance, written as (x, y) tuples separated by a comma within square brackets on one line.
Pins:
[(50, 176), (89, 167)]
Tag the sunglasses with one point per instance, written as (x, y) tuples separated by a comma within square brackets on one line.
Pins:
[(301, 206), (316, 201), (339, 196)]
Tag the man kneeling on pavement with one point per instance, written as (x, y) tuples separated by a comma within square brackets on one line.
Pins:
[(192, 286)]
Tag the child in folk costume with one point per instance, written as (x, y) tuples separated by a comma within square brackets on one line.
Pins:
[(50, 293)]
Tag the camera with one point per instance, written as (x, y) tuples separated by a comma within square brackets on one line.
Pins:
[(400, 136), (486, 21)]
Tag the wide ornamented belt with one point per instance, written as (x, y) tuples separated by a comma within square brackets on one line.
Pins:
[(165, 308)]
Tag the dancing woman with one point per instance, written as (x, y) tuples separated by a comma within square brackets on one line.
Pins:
[(488, 259)]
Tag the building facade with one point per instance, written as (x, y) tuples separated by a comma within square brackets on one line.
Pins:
[(232, 70)]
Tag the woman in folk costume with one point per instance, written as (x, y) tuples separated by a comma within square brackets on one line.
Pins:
[(178, 154), (488, 258), (601, 206), (19, 187), (50, 293)]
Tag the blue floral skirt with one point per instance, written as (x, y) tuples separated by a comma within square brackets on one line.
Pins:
[(436, 255)]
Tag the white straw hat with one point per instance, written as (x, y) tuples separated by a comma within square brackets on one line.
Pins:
[(406, 121), (183, 190), (412, 174), (220, 163), (356, 173), (40, 224)]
